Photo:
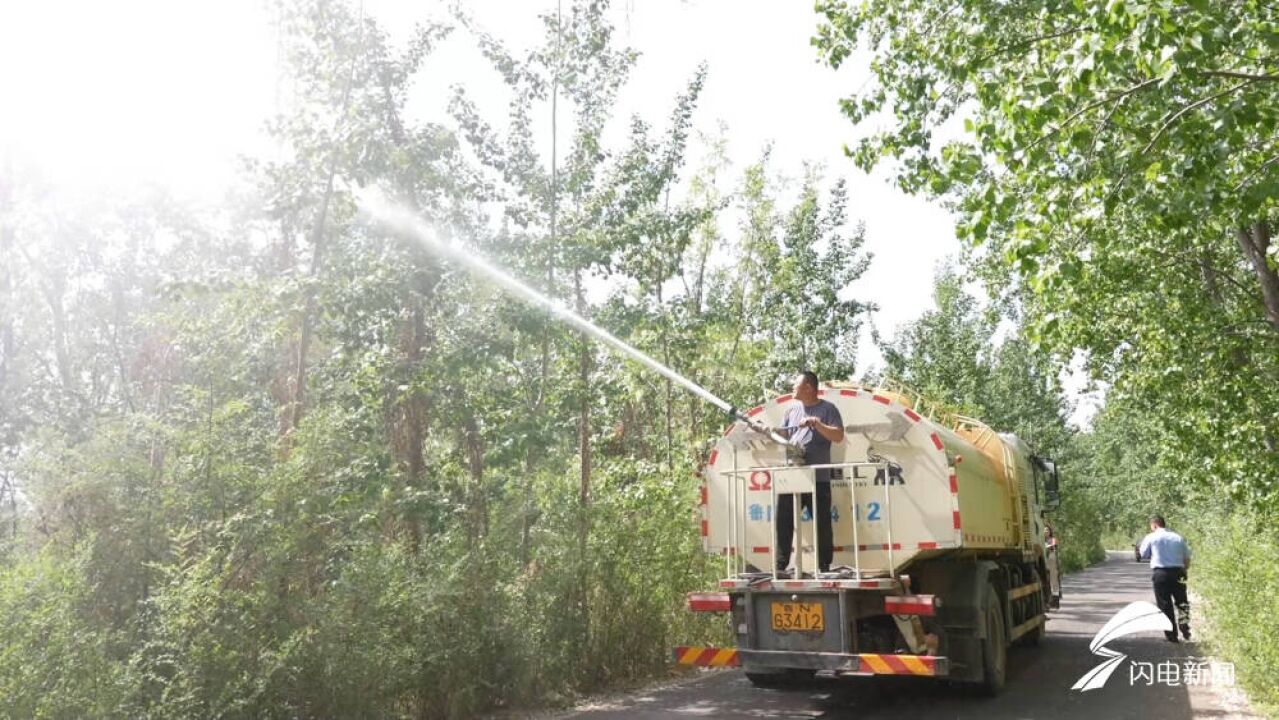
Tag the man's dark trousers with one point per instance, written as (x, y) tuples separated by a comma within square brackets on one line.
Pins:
[(786, 525), (1170, 588)]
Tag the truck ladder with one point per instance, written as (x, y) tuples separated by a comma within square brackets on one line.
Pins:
[(1022, 506)]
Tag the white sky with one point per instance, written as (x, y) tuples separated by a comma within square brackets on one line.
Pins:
[(120, 93), (157, 91)]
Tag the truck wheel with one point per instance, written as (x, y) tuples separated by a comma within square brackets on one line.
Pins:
[(1032, 638), (780, 678), (994, 649)]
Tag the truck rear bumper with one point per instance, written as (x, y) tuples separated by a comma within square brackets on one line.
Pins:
[(848, 664)]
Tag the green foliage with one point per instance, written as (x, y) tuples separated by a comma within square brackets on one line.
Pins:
[(59, 654), (1122, 467), (951, 356), (1234, 571), (813, 325), (947, 354), (275, 463), (1077, 522), (1113, 174), (1114, 177)]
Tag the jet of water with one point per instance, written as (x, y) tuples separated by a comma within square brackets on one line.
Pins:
[(402, 220)]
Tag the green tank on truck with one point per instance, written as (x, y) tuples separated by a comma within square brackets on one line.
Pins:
[(939, 559)]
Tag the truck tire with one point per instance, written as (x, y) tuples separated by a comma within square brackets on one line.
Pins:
[(994, 647), (1032, 638), (780, 678)]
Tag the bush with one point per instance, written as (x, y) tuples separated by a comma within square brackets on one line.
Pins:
[(1234, 571), (1078, 525), (56, 657)]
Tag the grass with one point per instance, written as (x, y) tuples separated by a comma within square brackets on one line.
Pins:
[(1236, 571)]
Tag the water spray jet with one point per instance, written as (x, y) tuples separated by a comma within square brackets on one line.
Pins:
[(403, 220)]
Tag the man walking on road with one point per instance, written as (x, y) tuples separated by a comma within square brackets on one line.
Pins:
[(1169, 557)]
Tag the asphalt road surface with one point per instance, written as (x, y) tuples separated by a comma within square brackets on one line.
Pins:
[(1039, 679)]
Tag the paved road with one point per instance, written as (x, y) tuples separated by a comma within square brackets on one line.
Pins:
[(1039, 679)]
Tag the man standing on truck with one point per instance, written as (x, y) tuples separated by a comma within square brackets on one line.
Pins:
[(1169, 557), (811, 424)]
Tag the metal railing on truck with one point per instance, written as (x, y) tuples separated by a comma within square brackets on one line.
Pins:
[(799, 480)]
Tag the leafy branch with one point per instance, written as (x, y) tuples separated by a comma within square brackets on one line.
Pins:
[(1093, 106), (1197, 104)]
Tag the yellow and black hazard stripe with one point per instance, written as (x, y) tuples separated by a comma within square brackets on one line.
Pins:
[(707, 656)]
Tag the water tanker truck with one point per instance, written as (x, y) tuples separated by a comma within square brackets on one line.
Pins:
[(939, 558)]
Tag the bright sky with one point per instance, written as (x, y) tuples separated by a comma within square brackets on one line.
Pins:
[(120, 93), (155, 91)]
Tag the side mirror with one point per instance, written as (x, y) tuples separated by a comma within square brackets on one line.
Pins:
[(1052, 493)]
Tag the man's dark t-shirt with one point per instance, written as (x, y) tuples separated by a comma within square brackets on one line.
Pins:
[(816, 448)]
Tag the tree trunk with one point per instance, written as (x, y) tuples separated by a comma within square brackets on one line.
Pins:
[(479, 494), (529, 514), (1255, 242), (308, 312), (62, 357), (584, 446), (409, 421), (415, 404), (584, 416), (120, 320), (155, 460), (1209, 275), (670, 388), (317, 248), (6, 301)]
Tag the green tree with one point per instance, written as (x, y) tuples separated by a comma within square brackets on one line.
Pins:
[(954, 356), (266, 460), (814, 324), (1114, 161), (948, 353)]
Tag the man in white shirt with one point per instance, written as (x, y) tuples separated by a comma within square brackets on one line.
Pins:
[(1169, 557)]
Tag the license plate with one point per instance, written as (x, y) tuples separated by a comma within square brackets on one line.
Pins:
[(798, 617)]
